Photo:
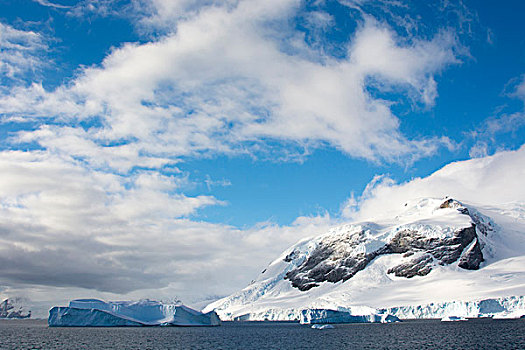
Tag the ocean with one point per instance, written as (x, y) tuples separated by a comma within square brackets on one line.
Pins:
[(417, 334)]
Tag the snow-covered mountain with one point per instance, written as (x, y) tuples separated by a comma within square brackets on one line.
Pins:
[(14, 308), (436, 257)]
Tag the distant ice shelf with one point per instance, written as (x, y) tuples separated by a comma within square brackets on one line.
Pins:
[(98, 313)]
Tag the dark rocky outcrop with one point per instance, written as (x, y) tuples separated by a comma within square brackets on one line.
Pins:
[(472, 257), (335, 258), (290, 256), (419, 266)]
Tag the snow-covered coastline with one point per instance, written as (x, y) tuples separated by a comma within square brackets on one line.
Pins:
[(497, 308), (436, 258), (492, 307)]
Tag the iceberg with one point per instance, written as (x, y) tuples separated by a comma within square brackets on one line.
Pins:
[(324, 326), (453, 319), (98, 313), (324, 316)]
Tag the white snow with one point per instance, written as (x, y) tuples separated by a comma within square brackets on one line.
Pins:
[(518, 313), (93, 312), (501, 275)]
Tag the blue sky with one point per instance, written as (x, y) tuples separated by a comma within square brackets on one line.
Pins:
[(241, 118), (470, 91)]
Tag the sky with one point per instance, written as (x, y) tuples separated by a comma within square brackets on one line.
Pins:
[(171, 149)]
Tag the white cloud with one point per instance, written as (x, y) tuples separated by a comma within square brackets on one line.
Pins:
[(51, 4), (63, 225), (226, 79), (480, 149), (501, 123), (19, 53), (519, 89), (491, 180)]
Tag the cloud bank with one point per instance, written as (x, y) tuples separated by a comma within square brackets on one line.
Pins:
[(490, 180)]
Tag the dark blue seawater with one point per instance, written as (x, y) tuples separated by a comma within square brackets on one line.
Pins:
[(420, 334)]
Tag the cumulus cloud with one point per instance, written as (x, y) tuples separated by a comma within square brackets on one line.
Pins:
[(65, 226), (490, 180)]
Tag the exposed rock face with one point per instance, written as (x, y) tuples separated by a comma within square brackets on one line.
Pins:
[(444, 252), (338, 259), (335, 259), (471, 257), (419, 266)]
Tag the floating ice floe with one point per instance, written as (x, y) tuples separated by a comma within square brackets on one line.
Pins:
[(322, 326), (453, 319), (98, 313)]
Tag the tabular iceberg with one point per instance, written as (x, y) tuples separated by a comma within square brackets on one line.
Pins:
[(98, 313)]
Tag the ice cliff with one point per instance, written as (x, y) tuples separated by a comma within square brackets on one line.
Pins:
[(432, 255), (494, 307), (97, 313)]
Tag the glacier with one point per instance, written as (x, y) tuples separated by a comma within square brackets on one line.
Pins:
[(98, 313), (436, 257), (321, 316), (505, 307)]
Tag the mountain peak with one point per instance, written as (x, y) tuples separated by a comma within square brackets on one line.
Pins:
[(347, 265)]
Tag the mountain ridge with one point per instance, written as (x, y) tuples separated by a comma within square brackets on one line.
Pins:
[(411, 259)]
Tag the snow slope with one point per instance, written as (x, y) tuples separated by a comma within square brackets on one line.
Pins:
[(93, 312), (434, 251)]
